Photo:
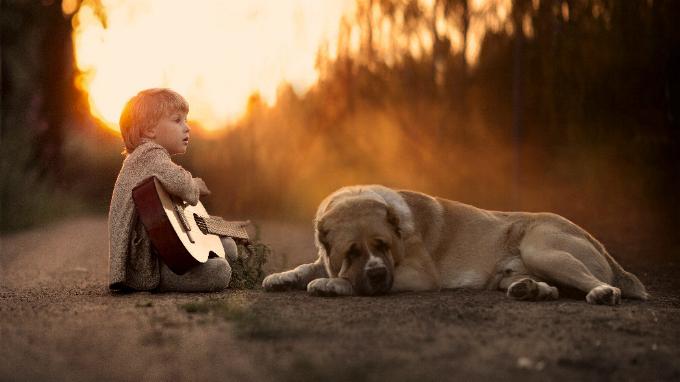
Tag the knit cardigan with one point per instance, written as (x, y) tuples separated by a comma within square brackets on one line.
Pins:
[(132, 262)]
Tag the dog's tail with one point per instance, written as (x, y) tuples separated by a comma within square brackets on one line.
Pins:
[(630, 285)]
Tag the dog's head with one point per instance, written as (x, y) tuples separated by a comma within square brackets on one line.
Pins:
[(362, 243)]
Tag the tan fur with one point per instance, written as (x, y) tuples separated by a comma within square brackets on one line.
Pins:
[(428, 243)]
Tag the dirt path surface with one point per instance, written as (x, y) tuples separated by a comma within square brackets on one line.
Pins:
[(59, 322)]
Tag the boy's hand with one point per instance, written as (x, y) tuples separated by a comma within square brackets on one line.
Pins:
[(202, 187)]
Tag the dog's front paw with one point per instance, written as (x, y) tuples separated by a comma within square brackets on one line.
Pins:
[(279, 282), (604, 295), (330, 287)]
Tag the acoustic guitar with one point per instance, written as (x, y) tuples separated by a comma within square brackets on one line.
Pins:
[(183, 235)]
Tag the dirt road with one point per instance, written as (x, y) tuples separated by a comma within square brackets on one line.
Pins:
[(59, 322)]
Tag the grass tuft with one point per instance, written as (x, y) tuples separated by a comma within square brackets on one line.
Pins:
[(249, 323)]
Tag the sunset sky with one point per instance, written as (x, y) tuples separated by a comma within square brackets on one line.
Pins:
[(216, 53)]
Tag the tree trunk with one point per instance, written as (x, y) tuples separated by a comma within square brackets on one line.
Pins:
[(58, 93)]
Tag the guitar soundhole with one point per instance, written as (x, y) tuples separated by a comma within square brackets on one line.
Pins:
[(202, 225)]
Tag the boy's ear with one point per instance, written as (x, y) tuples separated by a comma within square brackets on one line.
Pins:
[(149, 132)]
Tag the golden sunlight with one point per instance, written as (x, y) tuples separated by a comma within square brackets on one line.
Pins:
[(216, 53)]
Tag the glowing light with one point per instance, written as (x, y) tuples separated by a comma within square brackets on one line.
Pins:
[(215, 53)]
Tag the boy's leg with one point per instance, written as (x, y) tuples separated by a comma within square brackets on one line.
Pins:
[(211, 276)]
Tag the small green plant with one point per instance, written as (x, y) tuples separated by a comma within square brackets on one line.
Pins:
[(196, 307), (246, 270), (248, 323), (144, 304)]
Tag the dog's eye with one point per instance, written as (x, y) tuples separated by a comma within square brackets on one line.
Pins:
[(382, 246), (353, 252)]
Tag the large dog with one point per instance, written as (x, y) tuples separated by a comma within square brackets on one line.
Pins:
[(372, 240)]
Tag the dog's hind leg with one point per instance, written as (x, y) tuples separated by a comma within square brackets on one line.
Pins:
[(520, 285), (526, 287), (296, 278), (571, 261)]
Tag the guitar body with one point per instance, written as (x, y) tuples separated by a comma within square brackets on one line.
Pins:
[(178, 240)]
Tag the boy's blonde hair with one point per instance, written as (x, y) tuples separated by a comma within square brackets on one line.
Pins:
[(143, 112)]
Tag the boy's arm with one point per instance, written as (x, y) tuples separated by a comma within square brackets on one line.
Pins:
[(176, 180)]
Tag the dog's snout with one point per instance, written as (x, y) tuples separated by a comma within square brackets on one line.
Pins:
[(376, 275)]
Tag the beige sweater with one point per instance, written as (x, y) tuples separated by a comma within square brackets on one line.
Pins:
[(132, 264)]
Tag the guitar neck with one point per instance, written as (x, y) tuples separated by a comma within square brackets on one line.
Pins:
[(218, 226)]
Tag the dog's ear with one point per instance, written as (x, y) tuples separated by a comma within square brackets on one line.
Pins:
[(393, 220), (398, 244), (322, 236)]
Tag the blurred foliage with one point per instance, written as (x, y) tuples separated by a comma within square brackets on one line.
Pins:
[(577, 114), (51, 152), (27, 192), (579, 117)]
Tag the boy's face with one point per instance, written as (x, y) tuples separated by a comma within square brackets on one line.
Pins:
[(172, 132)]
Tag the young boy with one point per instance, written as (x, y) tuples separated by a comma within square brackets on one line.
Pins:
[(154, 127)]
